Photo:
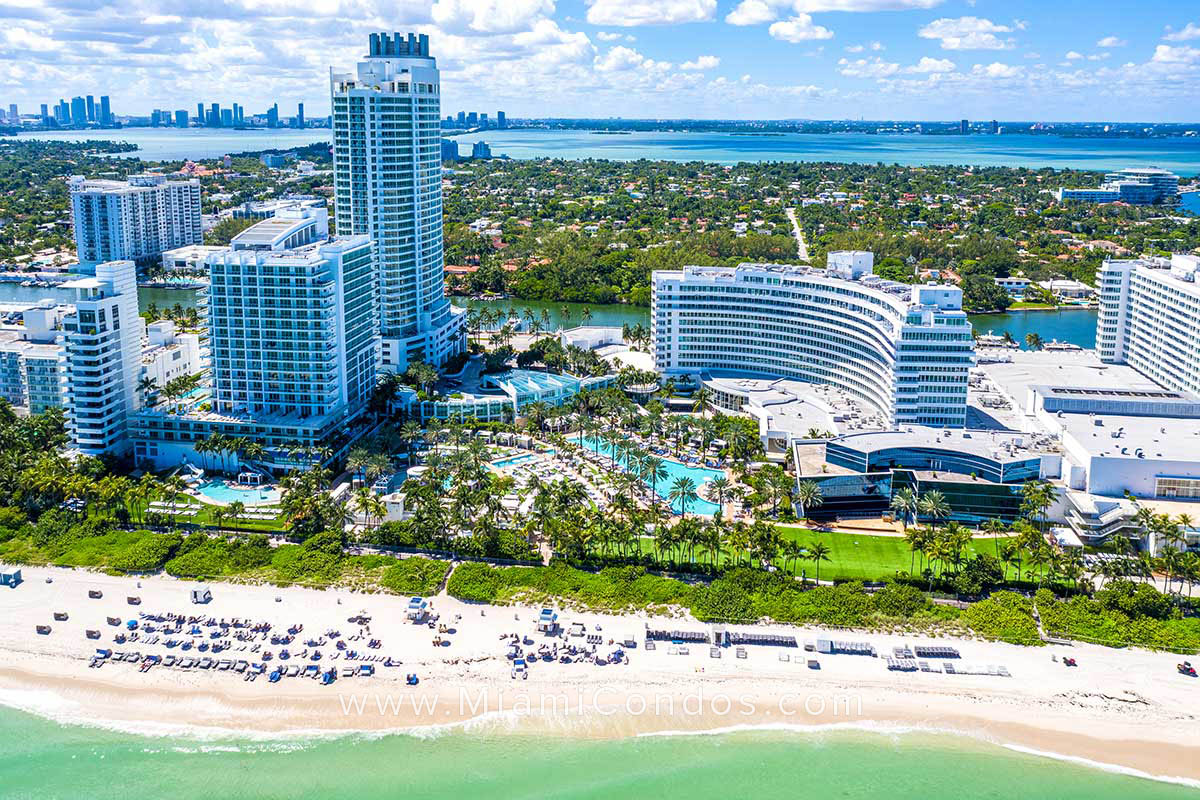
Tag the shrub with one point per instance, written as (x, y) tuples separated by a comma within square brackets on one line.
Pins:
[(415, 576)]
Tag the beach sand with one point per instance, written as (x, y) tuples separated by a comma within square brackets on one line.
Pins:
[(1127, 708)]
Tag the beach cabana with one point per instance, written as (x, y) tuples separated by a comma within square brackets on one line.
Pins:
[(547, 621), (10, 577), (202, 595), (418, 607)]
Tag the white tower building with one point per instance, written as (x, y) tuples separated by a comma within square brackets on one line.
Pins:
[(103, 340), (388, 186), (136, 219)]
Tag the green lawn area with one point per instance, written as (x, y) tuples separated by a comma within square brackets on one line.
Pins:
[(1021, 305), (856, 556), (852, 556), (203, 517)]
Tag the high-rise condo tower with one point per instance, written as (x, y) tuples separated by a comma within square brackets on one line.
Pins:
[(388, 186)]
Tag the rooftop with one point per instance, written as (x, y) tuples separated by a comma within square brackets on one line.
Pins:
[(1023, 369), (999, 445), (1121, 436)]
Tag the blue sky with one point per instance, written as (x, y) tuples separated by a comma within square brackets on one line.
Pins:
[(822, 59)]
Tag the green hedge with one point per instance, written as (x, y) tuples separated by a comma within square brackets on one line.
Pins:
[(415, 575)]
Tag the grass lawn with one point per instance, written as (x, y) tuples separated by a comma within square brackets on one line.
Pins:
[(857, 556), (203, 517), (1021, 305)]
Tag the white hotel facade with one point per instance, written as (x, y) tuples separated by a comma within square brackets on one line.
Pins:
[(1150, 318), (387, 156), (904, 350)]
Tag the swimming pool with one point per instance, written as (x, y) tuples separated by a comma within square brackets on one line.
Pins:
[(512, 460), (220, 492), (675, 470)]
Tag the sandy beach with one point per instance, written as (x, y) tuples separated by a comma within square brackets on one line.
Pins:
[(1126, 708)]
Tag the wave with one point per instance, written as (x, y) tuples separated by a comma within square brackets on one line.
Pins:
[(898, 729), (1104, 766)]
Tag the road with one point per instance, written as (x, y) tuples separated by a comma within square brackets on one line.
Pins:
[(801, 246)]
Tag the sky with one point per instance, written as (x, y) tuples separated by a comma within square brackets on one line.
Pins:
[(1051, 60)]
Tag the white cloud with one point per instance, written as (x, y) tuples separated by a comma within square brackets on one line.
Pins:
[(967, 33), (751, 12), (701, 63), (997, 70), (162, 19), (816, 6), (862, 68), (489, 16), (605, 36), (799, 28), (929, 65), (1190, 31), (1074, 55), (1111, 41), (858, 48), (629, 13), (625, 59), (1166, 54), (854, 48)]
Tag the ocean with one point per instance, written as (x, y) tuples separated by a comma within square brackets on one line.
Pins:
[(1179, 154), (45, 760)]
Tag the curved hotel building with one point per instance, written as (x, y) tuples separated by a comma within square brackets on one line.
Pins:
[(904, 350)]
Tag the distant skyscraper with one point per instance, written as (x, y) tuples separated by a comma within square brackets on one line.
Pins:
[(227, 117), (181, 118), (200, 113), (45, 114), (481, 150), (91, 108), (79, 114), (62, 112), (462, 119), (13, 114), (273, 116), (385, 123), (483, 120), (449, 150), (300, 115), (214, 115), (105, 111), (501, 120), (964, 126), (473, 119), (995, 126)]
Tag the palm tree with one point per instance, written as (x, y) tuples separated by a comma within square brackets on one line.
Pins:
[(817, 552), (655, 470), (719, 487), (1034, 341), (808, 495), (235, 510), (933, 505), (683, 491), (905, 503), (700, 401)]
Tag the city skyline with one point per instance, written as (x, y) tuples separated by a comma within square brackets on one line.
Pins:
[(823, 59)]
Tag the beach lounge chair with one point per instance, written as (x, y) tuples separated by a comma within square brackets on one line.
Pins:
[(44, 630), (95, 594)]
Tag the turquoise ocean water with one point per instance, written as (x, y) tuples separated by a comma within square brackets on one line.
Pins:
[(1182, 155), (44, 760)]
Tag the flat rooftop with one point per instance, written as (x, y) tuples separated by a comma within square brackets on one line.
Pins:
[(999, 445), (1166, 438), (795, 406), (1023, 369)]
